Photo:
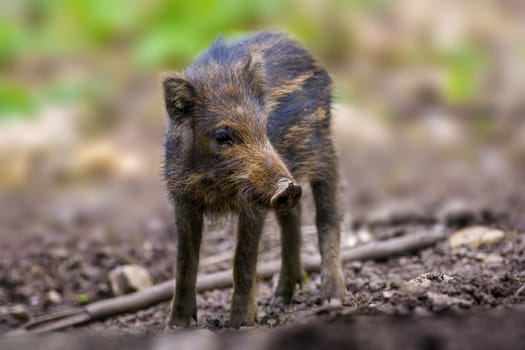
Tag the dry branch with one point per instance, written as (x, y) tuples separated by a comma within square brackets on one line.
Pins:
[(215, 259), (164, 291)]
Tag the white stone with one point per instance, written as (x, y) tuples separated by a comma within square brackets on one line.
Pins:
[(54, 297), (475, 236), (129, 278)]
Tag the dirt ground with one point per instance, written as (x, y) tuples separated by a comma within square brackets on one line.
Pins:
[(59, 243)]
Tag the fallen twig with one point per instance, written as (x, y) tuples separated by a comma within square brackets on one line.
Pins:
[(218, 280), (215, 259)]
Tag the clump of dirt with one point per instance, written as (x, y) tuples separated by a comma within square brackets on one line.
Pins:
[(477, 330)]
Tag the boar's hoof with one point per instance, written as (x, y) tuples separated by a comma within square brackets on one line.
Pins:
[(286, 196), (333, 287)]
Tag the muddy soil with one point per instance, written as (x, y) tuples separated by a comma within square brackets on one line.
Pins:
[(59, 243)]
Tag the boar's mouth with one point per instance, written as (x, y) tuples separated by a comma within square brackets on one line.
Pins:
[(284, 197), (287, 195)]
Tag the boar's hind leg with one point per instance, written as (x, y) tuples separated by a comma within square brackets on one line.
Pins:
[(327, 222), (291, 273), (244, 305), (189, 230)]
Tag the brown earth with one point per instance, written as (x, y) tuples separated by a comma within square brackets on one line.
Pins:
[(67, 238)]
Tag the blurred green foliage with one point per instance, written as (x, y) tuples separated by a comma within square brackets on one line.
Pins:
[(83, 299), (153, 34), (120, 38), (14, 98), (176, 31), (464, 67)]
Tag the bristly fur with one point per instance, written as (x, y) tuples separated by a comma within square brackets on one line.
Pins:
[(247, 120), (268, 85)]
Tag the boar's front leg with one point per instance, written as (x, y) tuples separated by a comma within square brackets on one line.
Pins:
[(189, 229), (327, 222), (244, 304), (291, 272)]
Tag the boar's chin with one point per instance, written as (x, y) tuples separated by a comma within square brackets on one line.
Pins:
[(249, 195)]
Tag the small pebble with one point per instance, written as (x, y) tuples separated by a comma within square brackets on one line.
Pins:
[(19, 312), (475, 236), (59, 253), (387, 294), (54, 297), (129, 278)]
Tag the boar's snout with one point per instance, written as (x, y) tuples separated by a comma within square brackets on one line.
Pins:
[(287, 195)]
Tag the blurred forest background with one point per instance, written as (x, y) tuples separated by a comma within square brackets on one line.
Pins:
[(73, 70)]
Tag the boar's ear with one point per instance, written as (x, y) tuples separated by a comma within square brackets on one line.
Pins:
[(253, 69), (179, 95)]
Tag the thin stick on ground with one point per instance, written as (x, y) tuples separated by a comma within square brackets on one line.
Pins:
[(219, 280), (215, 259)]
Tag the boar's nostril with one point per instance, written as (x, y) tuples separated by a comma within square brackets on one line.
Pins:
[(287, 195)]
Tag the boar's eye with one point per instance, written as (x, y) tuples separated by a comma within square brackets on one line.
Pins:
[(223, 136)]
